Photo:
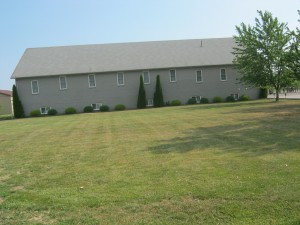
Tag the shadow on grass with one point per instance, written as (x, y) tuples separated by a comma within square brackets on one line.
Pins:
[(253, 138)]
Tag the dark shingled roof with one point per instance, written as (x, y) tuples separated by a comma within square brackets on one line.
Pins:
[(124, 57)]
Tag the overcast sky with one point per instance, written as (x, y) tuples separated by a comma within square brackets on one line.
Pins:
[(42, 23)]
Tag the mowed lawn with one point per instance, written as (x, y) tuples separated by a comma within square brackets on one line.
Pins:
[(229, 163)]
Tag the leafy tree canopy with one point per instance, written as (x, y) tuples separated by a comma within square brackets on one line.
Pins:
[(266, 54)]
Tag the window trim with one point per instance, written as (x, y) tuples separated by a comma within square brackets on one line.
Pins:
[(89, 80), (221, 74), (197, 76), (96, 108), (148, 76), (123, 78), (235, 94), (47, 108), (197, 98), (150, 100), (65, 82), (174, 81), (37, 85)]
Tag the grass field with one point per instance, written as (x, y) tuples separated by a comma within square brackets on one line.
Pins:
[(233, 163)]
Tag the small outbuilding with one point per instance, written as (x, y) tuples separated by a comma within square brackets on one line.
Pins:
[(5, 102)]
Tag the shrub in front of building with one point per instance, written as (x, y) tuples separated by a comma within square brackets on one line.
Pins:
[(175, 103), (192, 101), (35, 113), (120, 107), (217, 99), (244, 98), (204, 101), (104, 108), (230, 99), (88, 109), (52, 112), (70, 110)]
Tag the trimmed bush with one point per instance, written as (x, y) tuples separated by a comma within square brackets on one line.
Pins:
[(35, 113), (17, 104), (175, 103), (104, 108), (192, 101), (88, 109), (230, 99), (204, 100), (142, 101), (217, 99), (158, 99), (70, 110), (244, 98), (52, 112), (120, 107)]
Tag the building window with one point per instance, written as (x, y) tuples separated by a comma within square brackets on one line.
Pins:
[(96, 106), (34, 87), (44, 110), (63, 82), (197, 99), (120, 78), (199, 78), (223, 75), (236, 96), (92, 81), (146, 77), (150, 102), (172, 75)]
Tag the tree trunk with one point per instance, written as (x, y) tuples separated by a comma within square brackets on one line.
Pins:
[(277, 95)]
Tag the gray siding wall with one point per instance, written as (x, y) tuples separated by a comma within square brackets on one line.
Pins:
[(78, 94)]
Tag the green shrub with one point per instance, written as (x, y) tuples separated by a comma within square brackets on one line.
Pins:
[(217, 99), (105, 108), (52, 112), (192, 101), (230, 98), (120, 107), (70, 110), (263, 93), (88, 109), (244, 98), (35, 113), (204, 100), (17, 104), (175, 103)]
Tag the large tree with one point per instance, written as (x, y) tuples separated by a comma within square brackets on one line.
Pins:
[(264, 52), (295, 57), (17, 105), (142, 101)]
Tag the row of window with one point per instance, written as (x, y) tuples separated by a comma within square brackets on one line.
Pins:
[(120, 79)]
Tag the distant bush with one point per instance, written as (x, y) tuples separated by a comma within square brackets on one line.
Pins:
[(204, 100), (175, 103), (120, 107), (88, 109), (52, 112), (230, 98), (167, 103), (104, 108), (217, 99), (35, 113), (244, 98), (70, 110), (192, 101)]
